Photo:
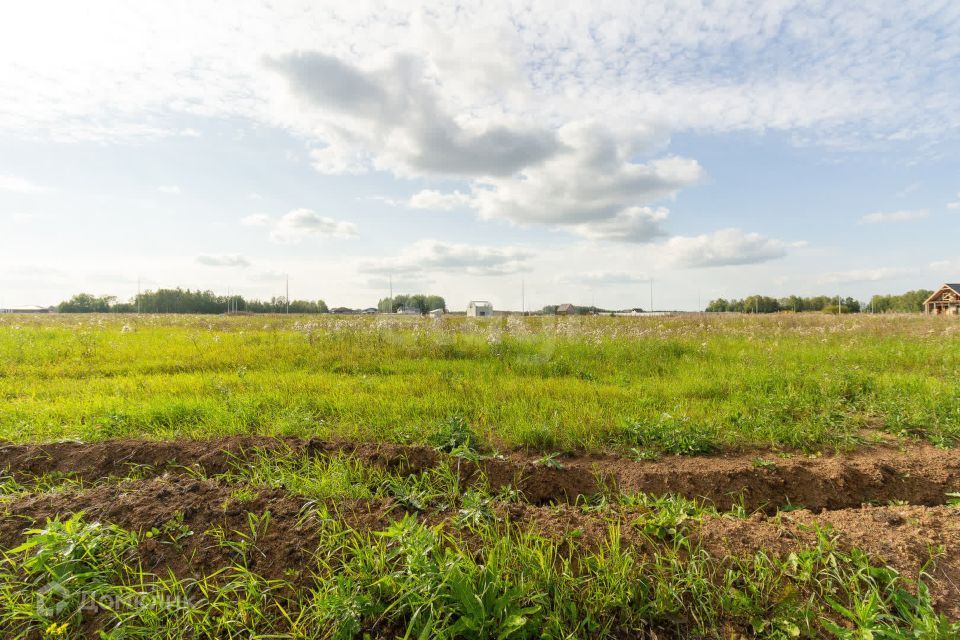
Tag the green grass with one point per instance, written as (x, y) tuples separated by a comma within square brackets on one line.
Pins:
[(688, 384)]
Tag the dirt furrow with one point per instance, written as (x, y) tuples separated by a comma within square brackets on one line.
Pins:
[(915, 474)]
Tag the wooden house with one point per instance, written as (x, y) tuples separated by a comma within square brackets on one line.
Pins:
[(944, 301)]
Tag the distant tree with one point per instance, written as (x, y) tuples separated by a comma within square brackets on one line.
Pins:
[(719, 305), (909, 302), (86, 303)]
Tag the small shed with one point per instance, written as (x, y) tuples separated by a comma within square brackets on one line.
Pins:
[(436, 313), (944, 301), (566, 309), (479, 309)]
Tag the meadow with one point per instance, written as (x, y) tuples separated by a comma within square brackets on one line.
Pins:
[(686, 384), (696, 476)]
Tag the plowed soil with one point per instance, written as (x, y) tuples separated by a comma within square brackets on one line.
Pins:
[(852, 493), (899, 536), (917, 475)]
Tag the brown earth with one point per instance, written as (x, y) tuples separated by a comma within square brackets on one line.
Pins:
[(903, 537), (918, 474)]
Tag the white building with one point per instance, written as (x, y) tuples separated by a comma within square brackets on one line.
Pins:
[(479, 309)]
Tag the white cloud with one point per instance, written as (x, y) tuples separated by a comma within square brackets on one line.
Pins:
[(720, 248), (393, 117), (17, 184), (223, 260), (170, 189), (591, 179), (430, 199), (954, 205), (298, 224), (434, 256), (862, 275), (903, 215)]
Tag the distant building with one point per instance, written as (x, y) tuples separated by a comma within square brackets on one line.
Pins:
[(409, 311), (369, 311), (945, 301), (27, 309), (436, 313), (566, 309), (479, 309), (343, 310)]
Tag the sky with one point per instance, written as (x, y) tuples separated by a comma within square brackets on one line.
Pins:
[(526, 153)]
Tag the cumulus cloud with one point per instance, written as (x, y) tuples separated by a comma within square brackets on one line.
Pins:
[(903, 215), (862, 275), (17, 184), (298, 224), (397, 119), (223, 260), (592, 181), (721, 248), (170, 189), (954, 205), (427, 256)]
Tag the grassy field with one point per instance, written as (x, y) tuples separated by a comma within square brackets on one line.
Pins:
[(687, 384), (440, 483)]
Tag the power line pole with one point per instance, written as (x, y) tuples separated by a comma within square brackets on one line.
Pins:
[(138, 295), (390, 280), (651, 294), (288, 293), (523, 297)]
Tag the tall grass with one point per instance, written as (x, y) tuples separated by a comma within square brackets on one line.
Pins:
[(549, 384)]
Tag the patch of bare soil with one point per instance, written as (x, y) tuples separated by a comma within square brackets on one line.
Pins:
[(181, 509), (918, 474), (903, 537)]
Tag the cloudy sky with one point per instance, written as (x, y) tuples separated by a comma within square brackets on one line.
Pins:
[(719, 148)]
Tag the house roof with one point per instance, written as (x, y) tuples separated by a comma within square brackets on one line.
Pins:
[(955, 286)]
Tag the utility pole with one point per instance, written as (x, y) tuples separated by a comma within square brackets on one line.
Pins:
[(390, 280), (138, 295), (288, 293), (651, 294), (523, 299)]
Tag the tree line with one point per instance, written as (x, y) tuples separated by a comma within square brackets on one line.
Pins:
[(207, 302), (186, 301), (911, 301)]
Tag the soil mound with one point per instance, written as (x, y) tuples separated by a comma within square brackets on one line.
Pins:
[(919, 474)]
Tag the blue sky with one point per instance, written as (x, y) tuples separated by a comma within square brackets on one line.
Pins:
[(720, 149)]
